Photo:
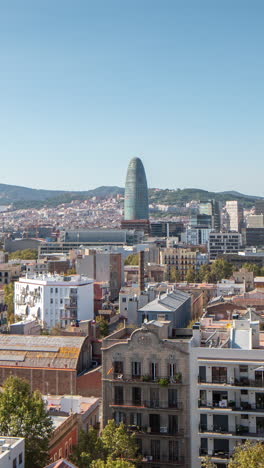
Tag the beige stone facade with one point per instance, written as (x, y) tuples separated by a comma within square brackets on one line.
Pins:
[(146, 385)]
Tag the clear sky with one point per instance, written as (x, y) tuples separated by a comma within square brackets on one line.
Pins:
[(87, 84)]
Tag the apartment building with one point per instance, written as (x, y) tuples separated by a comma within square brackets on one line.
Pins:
[(146, 385), (223, 243), (226, 389), (179, 259), (9, 273), (54, 299)]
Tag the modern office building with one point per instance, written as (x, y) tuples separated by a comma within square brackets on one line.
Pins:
[(234, 212), (253, 237), (166, 229), (259, 207), (223, 243), (195, 236), (136, 210), (146, 385), (212, 208), (255, 221), (54, 299)]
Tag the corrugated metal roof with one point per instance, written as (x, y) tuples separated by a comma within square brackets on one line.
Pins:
[(40, 351)]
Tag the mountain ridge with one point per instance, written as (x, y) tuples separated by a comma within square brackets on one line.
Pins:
[(26, 197)]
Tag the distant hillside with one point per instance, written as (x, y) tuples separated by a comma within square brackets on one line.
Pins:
[(24, 197), (168, 196)]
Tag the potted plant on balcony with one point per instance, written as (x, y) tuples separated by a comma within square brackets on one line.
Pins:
[(146, 378), (232, 404), (164, 382), (178, 377)]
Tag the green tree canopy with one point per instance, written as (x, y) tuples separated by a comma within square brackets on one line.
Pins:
[(114, 447), (9, 300), (218, 270), (26, 254), (191, 276), (103, 326), (23, 414), (110, 463), (248, 455), (254, 268), (118, 442), (174, 275)]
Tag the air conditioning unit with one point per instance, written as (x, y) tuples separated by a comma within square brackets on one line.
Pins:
[(163, 429)]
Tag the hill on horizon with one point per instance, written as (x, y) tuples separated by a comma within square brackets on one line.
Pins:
[(24, 197)]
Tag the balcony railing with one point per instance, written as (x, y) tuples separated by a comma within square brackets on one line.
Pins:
[(238, 430), (214, 454), (163, 458), (231, 405), (164, 381), (234, 382), (154, 404), (162, 431)]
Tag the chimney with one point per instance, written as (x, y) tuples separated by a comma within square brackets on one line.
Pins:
[(141, 271)]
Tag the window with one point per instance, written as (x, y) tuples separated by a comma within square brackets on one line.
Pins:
[(20, 458), (173, 450), (119, 417), (123, 299), (118, 367), (243, 369), (172, 369), (56, 290), (135, 419), (61, 301), (136, 396), (219, 374), (244, 392), (51, 290), (173, 424), (60, 453), (136, 369), (51, 301), (119, 395), (154, 370), (15, 463), (155, 449)]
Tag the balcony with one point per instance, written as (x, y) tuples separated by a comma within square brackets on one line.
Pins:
[(164, 458), (239, 430), (161, 431), (150, 404), (231, 406), (163, 381), (242, 382), (215, 454)]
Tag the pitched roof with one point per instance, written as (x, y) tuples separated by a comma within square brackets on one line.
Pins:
[(167, 302)]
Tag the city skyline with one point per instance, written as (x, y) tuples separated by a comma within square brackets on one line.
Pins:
[(85, 88)]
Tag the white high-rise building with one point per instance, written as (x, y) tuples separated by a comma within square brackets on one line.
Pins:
[(235, 215), (54, 299)]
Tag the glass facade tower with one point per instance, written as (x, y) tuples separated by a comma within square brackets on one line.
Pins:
[(136, 192)]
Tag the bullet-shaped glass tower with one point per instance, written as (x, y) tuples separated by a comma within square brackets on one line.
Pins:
[(136, 192)]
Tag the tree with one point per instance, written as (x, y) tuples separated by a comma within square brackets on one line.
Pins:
[(118, 442), (132, 259), (26, 254), (253, 267), (174, 275), (89, 448), (191, 276), (23, 414), (110, 463), (207, 463), (103, 326), (9, 300), (113, 448), (248, 455)]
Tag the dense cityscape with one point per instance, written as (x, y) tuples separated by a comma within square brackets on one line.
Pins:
[(128, 320)]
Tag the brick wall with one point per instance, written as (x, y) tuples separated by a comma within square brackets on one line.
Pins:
[(90, 383)]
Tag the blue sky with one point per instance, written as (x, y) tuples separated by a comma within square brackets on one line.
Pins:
[(86, 85)]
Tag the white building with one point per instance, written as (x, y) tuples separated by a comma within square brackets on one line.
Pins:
[(255, 221), (226, 390), (54, 299), (234, 212), (228, 287), (12, 452)]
